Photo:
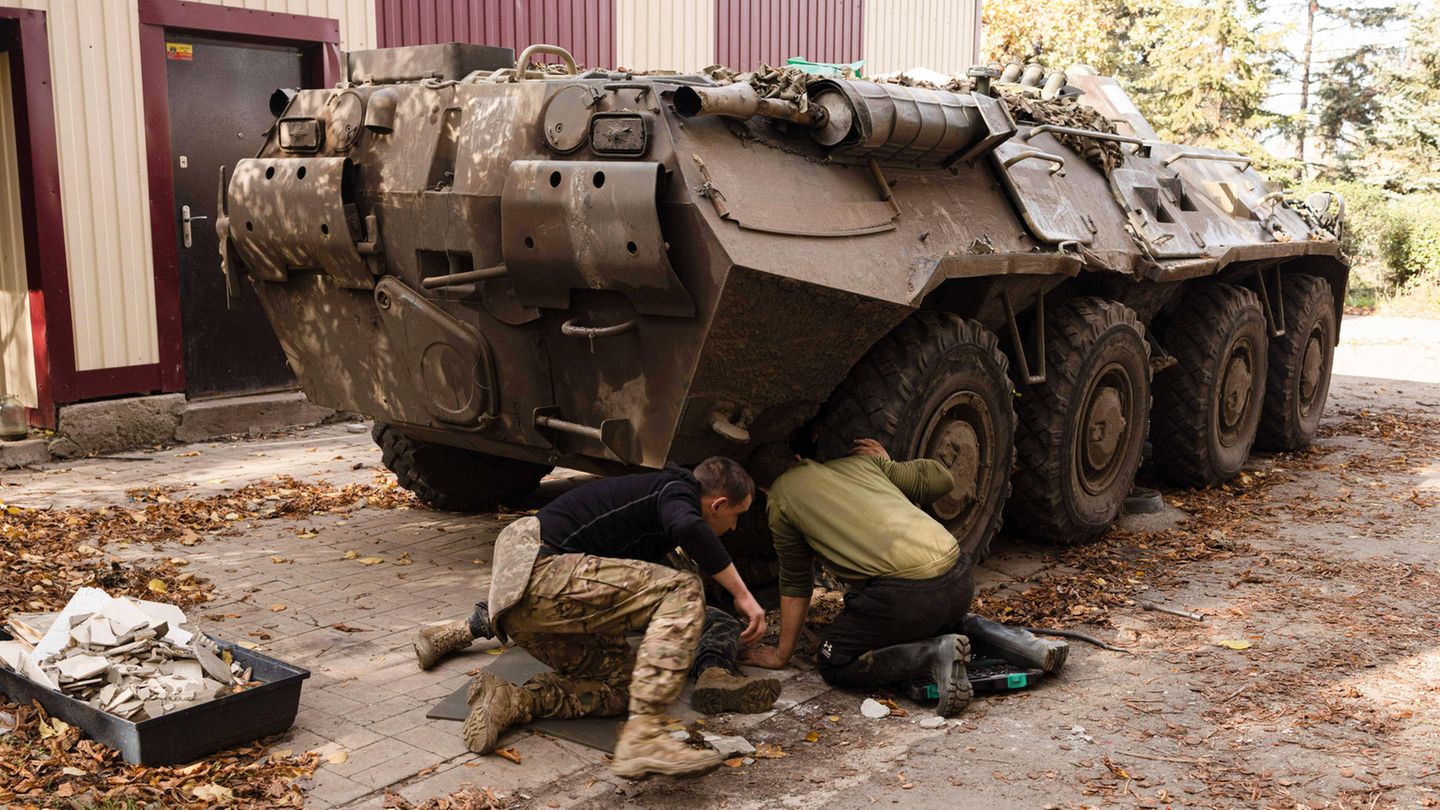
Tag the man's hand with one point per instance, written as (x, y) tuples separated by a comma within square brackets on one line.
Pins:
[(766, 657), (869, 447), (754, 616)]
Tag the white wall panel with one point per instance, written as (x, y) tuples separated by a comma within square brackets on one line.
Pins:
[(665, 34), (942, 35), (17, 354), (95, 66)]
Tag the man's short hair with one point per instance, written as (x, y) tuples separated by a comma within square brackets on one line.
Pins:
[(724, 477), (770, 461)]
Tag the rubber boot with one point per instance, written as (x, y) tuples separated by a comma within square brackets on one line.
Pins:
[(495, 705), (943, 657), (438, 640), (1017, 645), (718, 691), (646, 748)]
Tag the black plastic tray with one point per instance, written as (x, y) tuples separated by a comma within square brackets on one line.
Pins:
[(188, 734)]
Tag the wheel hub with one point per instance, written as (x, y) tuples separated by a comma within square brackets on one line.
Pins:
[(1310, 371), (955, 444), (1235, 389), (1104, 427)]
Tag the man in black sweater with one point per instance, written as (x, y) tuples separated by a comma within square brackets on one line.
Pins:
[(569, 582)]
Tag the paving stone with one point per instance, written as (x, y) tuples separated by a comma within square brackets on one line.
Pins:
[(387, 762), (330, 789)]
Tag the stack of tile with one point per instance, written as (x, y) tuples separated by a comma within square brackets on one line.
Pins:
[(126, 659)]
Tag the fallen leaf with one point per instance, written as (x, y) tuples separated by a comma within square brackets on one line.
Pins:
[(769, 751), (812, 737), (71, 770), (508, 753), (350, 555), (191, 454), (338, 758), (278, 560), (371, 560), (211, 792), (307, 536), (404, 559), (734, 762), (1236, 644), (158, 586), (248, 645), (276, 608), (345, 628)]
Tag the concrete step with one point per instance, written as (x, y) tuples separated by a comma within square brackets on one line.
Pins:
[(93, 428)]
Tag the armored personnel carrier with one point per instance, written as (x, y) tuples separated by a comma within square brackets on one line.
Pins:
[(512, 268)]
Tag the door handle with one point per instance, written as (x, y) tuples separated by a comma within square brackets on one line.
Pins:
[(185, 220)]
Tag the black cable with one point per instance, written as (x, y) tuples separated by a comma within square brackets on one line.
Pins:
[(1078, 637)]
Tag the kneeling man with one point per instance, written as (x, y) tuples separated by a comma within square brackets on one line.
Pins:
[(908, 584)]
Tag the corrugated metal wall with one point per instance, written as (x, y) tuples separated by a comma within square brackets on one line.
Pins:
[(751, 32), (95, 66), (665, 34), (17, 354), (942, 35), (585, 28)]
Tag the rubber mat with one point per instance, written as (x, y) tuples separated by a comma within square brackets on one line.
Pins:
[(517, 666)]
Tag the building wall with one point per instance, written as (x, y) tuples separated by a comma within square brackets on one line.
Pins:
[(665, 34), (95, 67), (585, 28), (17, 355), (754, 32), (942, 35)]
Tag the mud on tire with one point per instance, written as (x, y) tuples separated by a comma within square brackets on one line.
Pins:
[(1207, 406), (453, 479), (1298, 380), (936, 386), (1081, 433)]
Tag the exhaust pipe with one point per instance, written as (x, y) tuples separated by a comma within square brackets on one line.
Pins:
[(741, 102)]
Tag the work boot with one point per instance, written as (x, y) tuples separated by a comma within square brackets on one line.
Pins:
[(1017, 645), (718, 691), (495, 705), (646, 748), (439, 640)]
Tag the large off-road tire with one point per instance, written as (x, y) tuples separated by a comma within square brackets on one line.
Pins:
[(936, 387), (1207, 406), (1081, 433), (453, 479), (1299, 376)]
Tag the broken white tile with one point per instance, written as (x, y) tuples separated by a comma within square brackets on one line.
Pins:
[(125, 617), (11, 652), (83, 667), (214, 667), (874, 709), (729, 746), (85, 600)]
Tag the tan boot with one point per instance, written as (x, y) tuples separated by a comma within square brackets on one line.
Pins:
[(495, 705), (439, 640), (717, 691), (646, 748)]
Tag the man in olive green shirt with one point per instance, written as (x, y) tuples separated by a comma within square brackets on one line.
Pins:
[(908, 583)]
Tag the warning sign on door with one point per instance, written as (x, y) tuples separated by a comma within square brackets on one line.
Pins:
[(180, 51)]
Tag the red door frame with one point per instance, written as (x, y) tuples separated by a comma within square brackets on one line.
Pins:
[(43, 227), (319, 35)]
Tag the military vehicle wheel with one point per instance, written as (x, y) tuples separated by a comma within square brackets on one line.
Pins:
[(936, 387), (1207, 406), (1299, 376), (453, 479), (1081, 434)]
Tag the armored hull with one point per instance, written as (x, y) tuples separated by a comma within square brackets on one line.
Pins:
[(512, 269)]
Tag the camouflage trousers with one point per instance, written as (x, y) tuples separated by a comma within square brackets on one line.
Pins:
[(573, 618)]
